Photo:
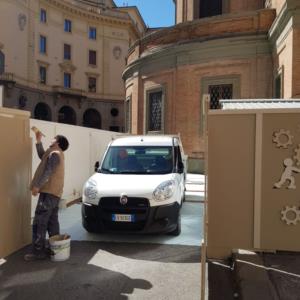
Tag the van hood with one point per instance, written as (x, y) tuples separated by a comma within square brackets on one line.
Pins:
[(129, 184)]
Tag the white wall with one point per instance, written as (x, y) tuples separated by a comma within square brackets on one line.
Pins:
[(86, 147)]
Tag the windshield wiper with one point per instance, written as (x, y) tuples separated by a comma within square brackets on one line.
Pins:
[(104, 170), (131, 172)]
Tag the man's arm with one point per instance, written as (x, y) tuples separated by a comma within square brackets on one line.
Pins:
[(40, 149), (52, 163), (39, 146)]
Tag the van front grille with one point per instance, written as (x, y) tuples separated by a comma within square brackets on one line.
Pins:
[(139, 207)]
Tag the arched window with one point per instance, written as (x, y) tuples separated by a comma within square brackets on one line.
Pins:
[(92, 119), (2, 62), (42, 112), (67, 115)]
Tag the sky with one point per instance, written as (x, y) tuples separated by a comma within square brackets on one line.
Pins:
[(156, 13)]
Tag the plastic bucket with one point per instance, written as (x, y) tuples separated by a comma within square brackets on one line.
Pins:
[(60, 246)]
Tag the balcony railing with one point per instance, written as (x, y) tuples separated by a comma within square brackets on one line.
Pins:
[(7, 77)]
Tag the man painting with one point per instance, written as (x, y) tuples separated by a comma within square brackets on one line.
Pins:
[(48, 182)]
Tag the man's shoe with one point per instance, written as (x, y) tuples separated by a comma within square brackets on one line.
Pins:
[(33, 256)]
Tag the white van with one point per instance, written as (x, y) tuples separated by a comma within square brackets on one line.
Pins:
[(139, 187)]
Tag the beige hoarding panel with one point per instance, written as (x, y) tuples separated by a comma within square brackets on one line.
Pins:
[(15, 166), (279, 156), (257, 181), (1, 95), (231, 169)]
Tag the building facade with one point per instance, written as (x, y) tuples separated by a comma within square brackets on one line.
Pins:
[(226, 48), (62, 60)]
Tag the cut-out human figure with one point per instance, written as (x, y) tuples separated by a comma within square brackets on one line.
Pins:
[(287, 174)]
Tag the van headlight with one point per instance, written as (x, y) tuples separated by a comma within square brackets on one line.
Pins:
[(90, 189), (164, 191)]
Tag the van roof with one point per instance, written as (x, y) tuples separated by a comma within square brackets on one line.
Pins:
[(146, 140)]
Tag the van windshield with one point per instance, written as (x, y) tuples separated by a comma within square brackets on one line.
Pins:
[(138, 160)]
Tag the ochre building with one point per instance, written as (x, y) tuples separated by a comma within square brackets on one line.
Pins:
[(226, 48), (62, 60)]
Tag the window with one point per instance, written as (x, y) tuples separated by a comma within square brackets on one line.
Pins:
[(43, 16), (43, 75), (114, 112), (278, 86), (155, 111), (92, 33), (67, 80), (67, 52), (43, 44), (128, 115), (210, 8), (92, 57), (217, 92), (92, 84), (68, 25)]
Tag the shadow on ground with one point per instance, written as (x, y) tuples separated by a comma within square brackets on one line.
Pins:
[(85, 275)]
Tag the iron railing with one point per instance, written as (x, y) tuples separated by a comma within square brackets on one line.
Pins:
[(7, 77)]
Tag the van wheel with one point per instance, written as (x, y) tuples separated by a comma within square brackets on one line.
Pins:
[(177, 230), (91, 228)]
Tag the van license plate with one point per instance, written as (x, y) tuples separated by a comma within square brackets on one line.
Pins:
[(123, 218)]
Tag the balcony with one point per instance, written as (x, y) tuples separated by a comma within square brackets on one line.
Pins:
[(69, 92), (6, 78)]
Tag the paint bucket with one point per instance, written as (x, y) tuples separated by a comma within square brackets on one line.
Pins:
[(60, 246)]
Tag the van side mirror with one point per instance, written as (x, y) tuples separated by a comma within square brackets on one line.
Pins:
[(180, 167), (97, 165)]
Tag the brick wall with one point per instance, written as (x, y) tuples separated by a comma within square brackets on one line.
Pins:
[(184, 94), (245, 5)]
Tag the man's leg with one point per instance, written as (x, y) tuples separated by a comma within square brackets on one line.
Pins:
[(39, 228), (53, 224)]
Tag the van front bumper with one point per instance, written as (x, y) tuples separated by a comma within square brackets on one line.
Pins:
[(147, 219)]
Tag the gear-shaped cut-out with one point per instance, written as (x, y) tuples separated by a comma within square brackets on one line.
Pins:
[(290, 209), (277, 138), (297, 156)]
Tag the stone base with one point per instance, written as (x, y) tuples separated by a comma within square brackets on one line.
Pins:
[(196, 165)]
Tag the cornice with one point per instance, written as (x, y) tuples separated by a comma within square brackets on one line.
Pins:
[(92, 16), (288, 17), (92, 74), (67, 66), (208, 28), (43, 63), (199, 52)]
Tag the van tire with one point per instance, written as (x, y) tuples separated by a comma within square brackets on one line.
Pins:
[(91, 228), (177, 230)]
